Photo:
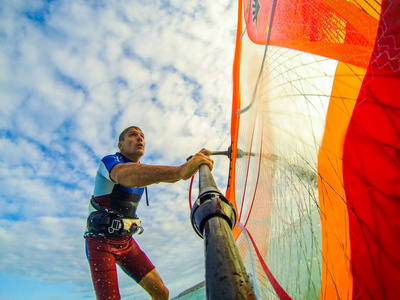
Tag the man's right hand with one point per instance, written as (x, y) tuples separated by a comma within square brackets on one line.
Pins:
[(191, 167)]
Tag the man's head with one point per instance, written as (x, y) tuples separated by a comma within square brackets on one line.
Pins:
[(131, 143), (125, 131)]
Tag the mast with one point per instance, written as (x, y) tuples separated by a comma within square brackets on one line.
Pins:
[(213, 218)]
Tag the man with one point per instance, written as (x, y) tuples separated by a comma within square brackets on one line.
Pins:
[(119, 186)]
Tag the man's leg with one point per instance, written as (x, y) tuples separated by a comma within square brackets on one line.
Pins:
[(104, 273), (154, 285), (138, 266)]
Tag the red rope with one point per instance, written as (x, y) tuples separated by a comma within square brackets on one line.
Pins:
[(275, 284), (190, 192)]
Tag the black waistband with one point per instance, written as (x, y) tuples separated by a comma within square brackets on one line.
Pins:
[(104, 222)]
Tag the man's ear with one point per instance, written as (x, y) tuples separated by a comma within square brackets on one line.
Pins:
[(120, 146)]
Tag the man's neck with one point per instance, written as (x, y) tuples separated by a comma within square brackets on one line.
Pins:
[(130, 158)]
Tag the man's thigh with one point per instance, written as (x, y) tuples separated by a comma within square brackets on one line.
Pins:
[(135, 263)]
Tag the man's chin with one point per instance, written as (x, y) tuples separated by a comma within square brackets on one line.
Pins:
[(139, 152)]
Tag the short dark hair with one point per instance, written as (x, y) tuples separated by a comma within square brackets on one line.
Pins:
[(125, 131)]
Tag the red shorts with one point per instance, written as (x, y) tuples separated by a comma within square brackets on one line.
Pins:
[(103, 255)]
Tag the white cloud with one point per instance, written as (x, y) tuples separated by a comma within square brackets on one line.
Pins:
[(72, 79)]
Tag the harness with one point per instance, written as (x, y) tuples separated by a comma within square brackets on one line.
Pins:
[(104, 222), (119, 219)]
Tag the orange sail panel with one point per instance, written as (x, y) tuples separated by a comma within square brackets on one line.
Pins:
[(340, 30)]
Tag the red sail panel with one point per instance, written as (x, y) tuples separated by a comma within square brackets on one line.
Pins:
[(371, 168)]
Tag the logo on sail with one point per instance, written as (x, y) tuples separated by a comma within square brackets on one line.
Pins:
[(255, 10)]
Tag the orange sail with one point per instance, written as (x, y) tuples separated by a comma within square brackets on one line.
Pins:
[(315, 170)]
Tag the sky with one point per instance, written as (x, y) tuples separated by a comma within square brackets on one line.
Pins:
[(73, 75)]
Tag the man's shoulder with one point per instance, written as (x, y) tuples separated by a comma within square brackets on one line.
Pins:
[(117, 157), (111, 160)]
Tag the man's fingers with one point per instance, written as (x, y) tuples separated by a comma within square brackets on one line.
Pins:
[(202, 157), (209, 162), (205, 151)]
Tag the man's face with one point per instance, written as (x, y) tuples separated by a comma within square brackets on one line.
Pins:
[(133, 145)]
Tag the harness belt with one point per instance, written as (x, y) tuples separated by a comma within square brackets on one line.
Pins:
[(104, 222)]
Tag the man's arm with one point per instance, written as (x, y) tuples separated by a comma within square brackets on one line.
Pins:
[(140, 175)]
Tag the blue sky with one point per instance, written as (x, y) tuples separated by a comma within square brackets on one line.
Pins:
[(73, 75)]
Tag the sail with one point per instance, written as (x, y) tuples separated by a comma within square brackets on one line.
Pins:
[(315, 166)]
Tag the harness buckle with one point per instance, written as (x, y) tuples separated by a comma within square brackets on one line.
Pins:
[(115, 225)]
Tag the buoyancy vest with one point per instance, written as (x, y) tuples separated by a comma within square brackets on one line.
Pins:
[(121, 200), (111, 198)]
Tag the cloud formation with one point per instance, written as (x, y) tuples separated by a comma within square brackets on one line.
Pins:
[(74, 74)]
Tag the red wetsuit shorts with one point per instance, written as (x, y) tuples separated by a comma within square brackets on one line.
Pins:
[(104, 253)]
